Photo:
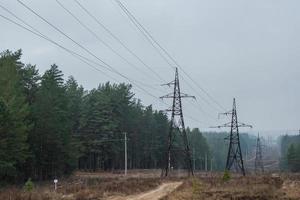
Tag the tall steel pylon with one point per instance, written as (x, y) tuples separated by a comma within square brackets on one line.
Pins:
[(177, 122), (234, 156), (259, 166)]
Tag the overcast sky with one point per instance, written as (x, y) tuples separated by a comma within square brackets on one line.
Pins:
[(234, 48)]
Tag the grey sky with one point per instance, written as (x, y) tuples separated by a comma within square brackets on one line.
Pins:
[(234, 48)]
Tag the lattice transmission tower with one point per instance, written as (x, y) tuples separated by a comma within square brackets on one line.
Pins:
[(177, 123), (234, 156), (259, 165)]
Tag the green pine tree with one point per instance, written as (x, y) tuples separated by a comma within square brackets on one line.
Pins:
[(14, 110), (51, 138), (292, 158)]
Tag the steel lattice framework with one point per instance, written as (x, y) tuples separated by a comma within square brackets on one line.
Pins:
[(259, 165), (234, 156), (177, 122)]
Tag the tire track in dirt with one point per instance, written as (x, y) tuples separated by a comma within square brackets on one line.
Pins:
[(163, 190)]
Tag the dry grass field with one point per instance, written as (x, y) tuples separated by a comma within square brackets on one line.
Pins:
[(147, 185), (86, 186), (265, 187)]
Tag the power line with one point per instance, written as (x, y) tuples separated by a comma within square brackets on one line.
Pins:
[(136, 23), (203, 111), (39, 34), (138, 26), (178, 124), (74, 54), (116, 38), (234, 155), (170, 57), (107, 66), (149, 39), (195, 120), (152, 41), (102, 41), (107, 45)]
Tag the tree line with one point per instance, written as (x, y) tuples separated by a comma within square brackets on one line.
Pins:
[(50, 126), (290, 153), (218, 144)]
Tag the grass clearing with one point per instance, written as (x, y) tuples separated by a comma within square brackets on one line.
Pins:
[(206, 186), (83, 188), (237, 188)]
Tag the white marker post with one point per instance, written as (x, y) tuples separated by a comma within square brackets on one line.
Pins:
[(55, 184)]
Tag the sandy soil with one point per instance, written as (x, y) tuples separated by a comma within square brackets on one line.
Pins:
[(163, 190)]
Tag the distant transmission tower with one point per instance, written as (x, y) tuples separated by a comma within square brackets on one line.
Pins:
[(259, 166), (234, 156), (177, 122)]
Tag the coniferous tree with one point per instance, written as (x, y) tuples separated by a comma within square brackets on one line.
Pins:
[(52, 132), (49, 126), (14, 110), (199, 148), (293, 158)]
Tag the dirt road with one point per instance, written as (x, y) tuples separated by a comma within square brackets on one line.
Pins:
[(156, 194)]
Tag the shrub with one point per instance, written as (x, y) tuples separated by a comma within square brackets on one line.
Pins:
[(28, 185), (226, 176)]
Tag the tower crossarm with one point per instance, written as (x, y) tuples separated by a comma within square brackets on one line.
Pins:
[(183, 95), (221, 126), (170, 96), (226, 113), (177, 123), (240, 124), (169, 84), (234, 155)]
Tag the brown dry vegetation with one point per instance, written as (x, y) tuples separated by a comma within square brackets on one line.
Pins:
[(98, 186), (238, 188), (84, 188)]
